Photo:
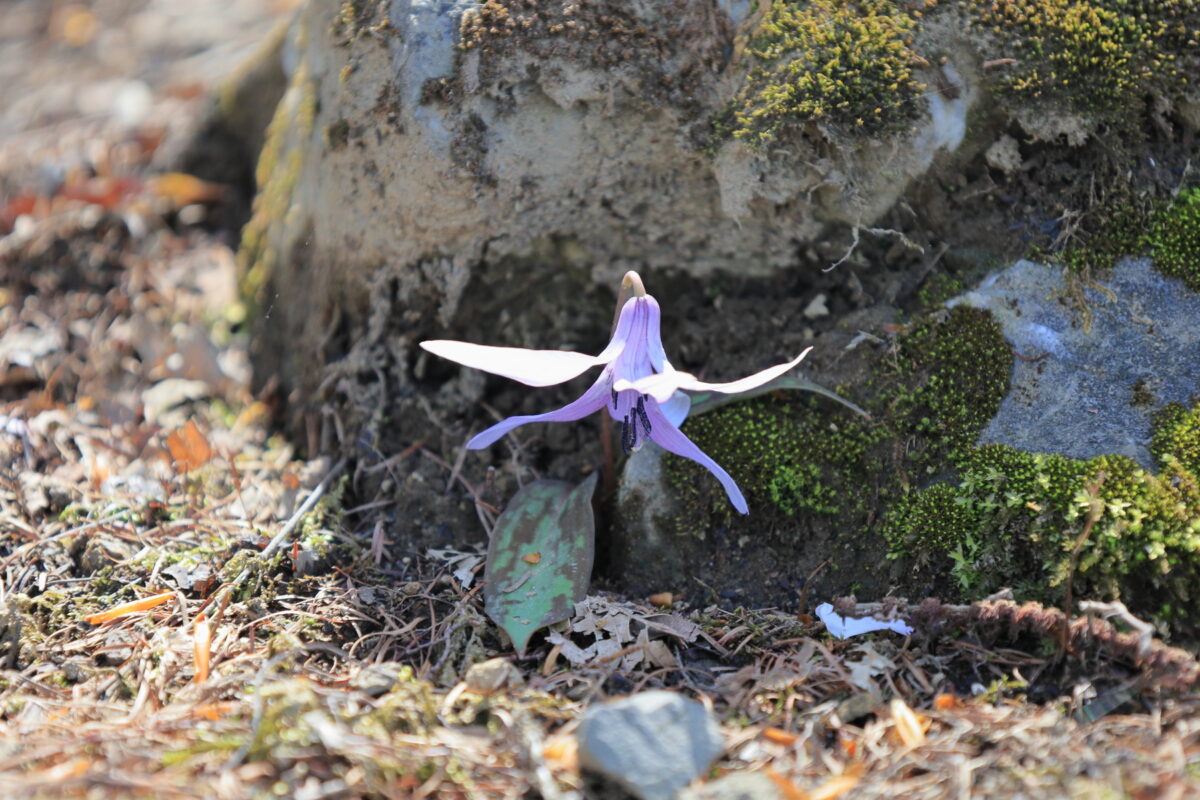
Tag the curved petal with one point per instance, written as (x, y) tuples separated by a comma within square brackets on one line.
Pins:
[(670, 438), (662, 386), (665, 384), (654, 345), (625, 322), (531, 367), (677, 408), (590, 401)]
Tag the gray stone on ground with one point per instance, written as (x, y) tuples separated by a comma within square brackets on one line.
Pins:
[(653, 744), (1088, 390)]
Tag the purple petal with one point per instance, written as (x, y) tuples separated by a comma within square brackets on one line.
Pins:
[(676, 409), (670, 438), (589, 402), (654, 345), (531, 367), (625, 323)]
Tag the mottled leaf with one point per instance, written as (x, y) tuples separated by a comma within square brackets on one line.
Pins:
[(707, 401), (553, 521)]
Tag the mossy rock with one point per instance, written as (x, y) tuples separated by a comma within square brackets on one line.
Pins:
[(908, 503)]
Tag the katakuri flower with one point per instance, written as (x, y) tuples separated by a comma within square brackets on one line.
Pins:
[(638, 386)]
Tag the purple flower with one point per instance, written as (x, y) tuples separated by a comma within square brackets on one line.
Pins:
[(638, 386)]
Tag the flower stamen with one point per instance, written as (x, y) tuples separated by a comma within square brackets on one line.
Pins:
[(641, 412)]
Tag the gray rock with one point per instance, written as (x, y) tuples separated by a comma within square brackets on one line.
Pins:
[(401, 151), (1087, 390), (376, 679), (653, 743)]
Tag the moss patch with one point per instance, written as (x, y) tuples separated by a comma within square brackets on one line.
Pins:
[(1097, 56), (802, 461), (849, 64), (1030, 520), (1177, 436), (1175, 239)]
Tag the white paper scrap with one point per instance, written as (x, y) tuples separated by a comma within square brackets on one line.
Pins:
[(845, 627)]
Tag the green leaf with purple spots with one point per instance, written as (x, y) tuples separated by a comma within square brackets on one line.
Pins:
[(539, 562)]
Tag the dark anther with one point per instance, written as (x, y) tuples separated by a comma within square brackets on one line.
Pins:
[(641, 412), (625, 437), (614, 392)]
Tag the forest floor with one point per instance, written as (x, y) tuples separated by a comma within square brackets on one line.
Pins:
[(188, 608)]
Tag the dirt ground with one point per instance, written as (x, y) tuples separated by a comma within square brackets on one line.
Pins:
[(189, 608)]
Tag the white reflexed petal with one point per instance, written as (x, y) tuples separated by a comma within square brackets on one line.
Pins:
[(676, 409), (531, 367), (689, 383), (845, 627), (662, 386)]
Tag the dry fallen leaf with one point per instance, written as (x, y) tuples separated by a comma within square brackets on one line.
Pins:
[(184, 190), (201, 645), (531, 558), (189, 448), (145, 604), (562, 751), (910, 727), (947, 702), (838, 785), (780, 736), (663, 599)]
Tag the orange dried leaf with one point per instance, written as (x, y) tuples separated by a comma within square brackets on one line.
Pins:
[(145, 604), (184, 190), (662, 599), (207, 711), (947, 702), (562, 751), (201, 645), (531, 558), (789, 790), (780, 736), (290, 480), (909, 726), (849, 746), (189, 448), (838, 785)]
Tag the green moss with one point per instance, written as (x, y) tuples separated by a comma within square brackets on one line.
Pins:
[(845, 63), (935, 521), (1098, 56), (1119, 231), (1175, 239), (1033, 519), (797, 457), (1176, 435), (940, 287)]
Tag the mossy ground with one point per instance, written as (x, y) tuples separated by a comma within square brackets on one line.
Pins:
[(802, 463), (1166, 229), (957, 519)]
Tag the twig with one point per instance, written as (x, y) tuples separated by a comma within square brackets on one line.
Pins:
[(1116, 608), (1095, 510)]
